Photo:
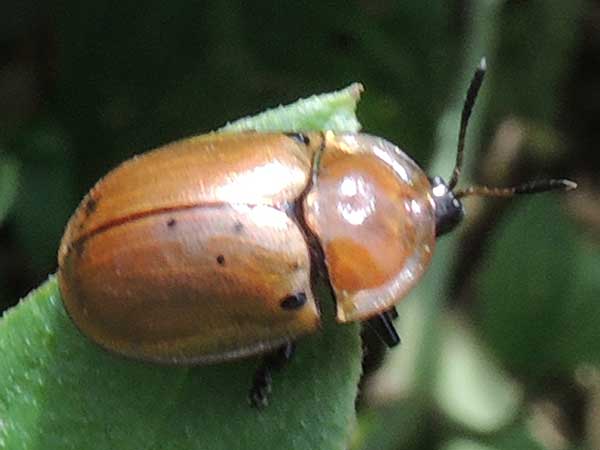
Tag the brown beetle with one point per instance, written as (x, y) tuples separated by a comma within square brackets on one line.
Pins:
[(208, 249)]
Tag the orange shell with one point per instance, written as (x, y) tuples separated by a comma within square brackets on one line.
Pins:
[(372, 210), (184, 254)]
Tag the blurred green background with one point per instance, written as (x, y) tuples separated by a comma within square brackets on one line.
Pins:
[(502, 338)]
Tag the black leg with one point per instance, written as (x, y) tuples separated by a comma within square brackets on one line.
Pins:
[(261, 385), (384, 327), (392, 313)]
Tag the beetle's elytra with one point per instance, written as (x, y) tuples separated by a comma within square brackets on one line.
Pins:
[(208, 249)]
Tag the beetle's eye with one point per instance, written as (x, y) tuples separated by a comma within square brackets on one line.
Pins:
[(299, 137), (448, 209), (294, 301)]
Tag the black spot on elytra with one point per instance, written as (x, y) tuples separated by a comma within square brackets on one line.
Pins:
[(221, 260), (171, 222), (90, 205), (293, 301), (299, 137), (79, 248), (238, 227)]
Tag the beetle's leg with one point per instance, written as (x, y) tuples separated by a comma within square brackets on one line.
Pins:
[(383, 326), (393, 313), (261, 385)]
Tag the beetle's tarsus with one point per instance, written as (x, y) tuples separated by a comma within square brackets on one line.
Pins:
[(383, 326), (261, 388), (263, 378), (392, 313)]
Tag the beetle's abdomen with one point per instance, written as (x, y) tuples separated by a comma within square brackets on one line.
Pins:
[(372, 212)]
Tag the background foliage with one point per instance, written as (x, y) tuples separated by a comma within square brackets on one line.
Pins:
[(501, 347)]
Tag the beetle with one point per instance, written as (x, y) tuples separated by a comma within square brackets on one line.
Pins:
[(208, 249)]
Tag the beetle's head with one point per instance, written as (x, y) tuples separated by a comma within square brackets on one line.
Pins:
[(449, 210)]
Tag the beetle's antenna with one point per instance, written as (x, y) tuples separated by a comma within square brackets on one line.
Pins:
[(472, 92), (530, 187)]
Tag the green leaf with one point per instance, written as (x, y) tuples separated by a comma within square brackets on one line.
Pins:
[(9, 177), (526, 434), (471, 389), (523, 319), (60, 391), (334, 111), (466, 444), (45, 184), (578, 340)]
